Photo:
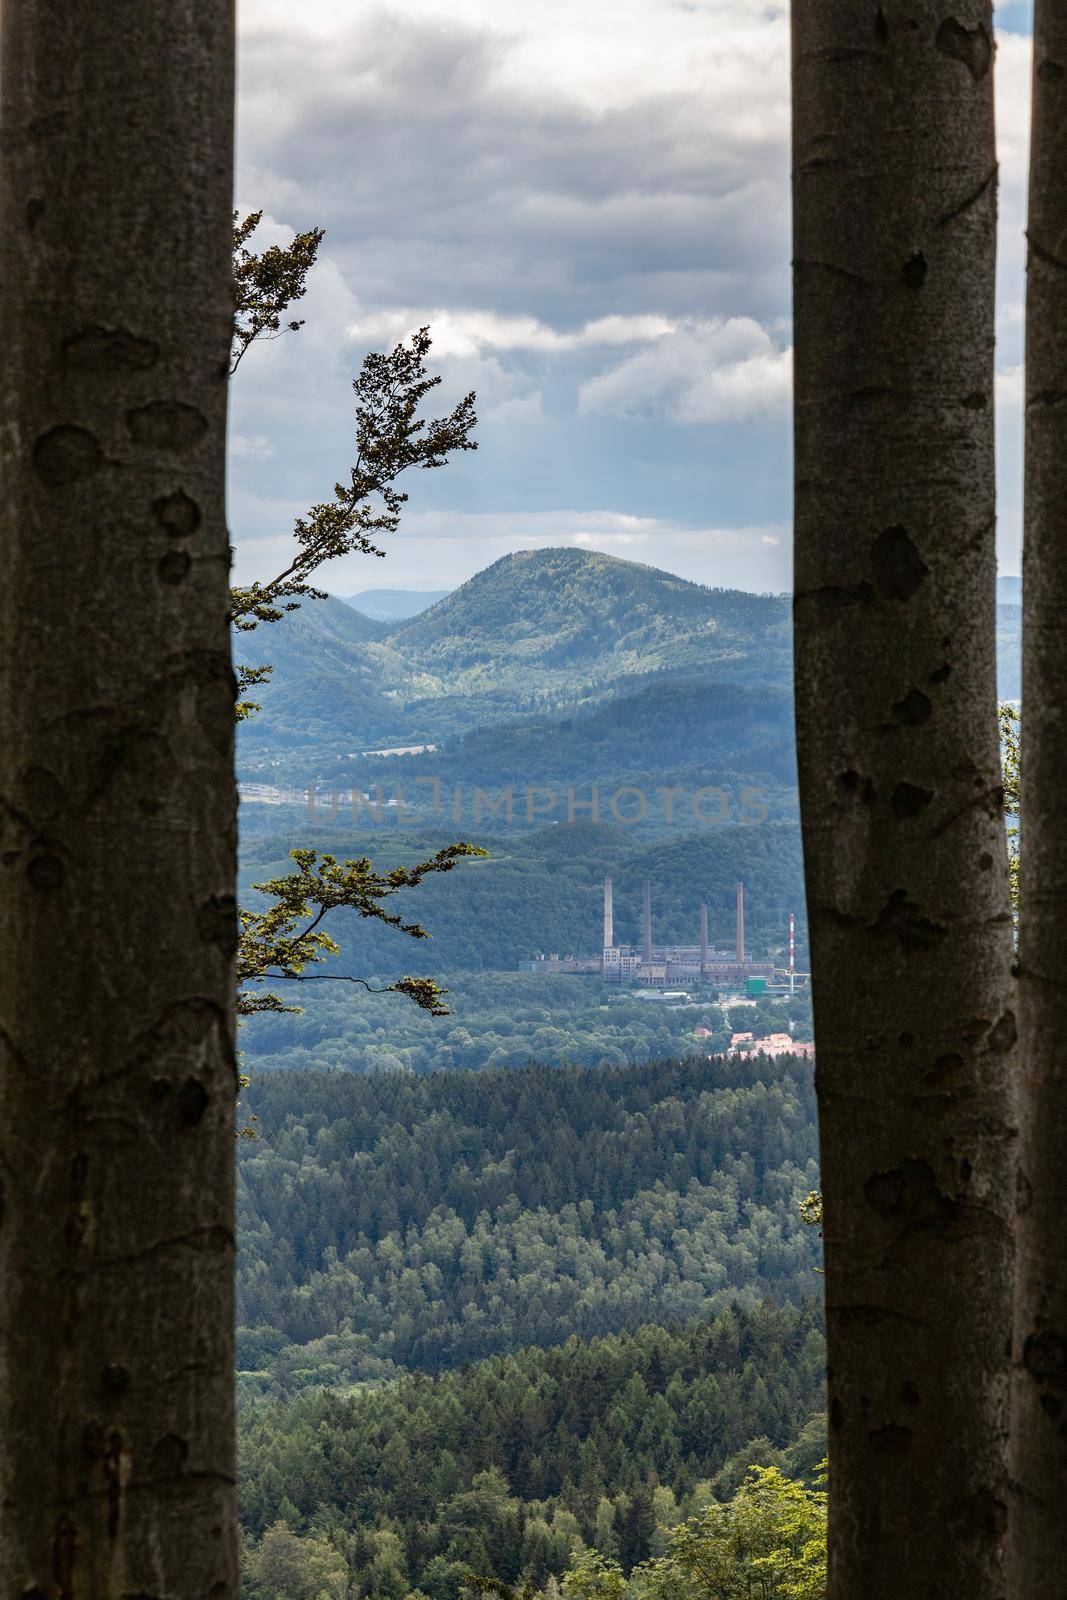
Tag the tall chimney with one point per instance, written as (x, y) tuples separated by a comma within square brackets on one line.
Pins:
[(740, 922), (648, 925), (703, 939), (609, 925)]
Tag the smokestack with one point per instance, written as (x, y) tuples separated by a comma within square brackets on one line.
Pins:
[(609, 924), (792, 953), (740, 922), (703, 939), (648, 925)]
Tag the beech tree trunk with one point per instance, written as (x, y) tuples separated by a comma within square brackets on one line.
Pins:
[(904, 840), (1039, 1527), (117, 1074)]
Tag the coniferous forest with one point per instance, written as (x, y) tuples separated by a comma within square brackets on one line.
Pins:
[(508, 1323)]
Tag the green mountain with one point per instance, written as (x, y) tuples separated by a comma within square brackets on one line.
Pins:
[(575, 615), (336, 681), (538, 635)]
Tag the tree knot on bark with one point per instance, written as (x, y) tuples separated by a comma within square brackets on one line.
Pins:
[(948, 1066), (971, 46), (1045, 1358), (45, 873), (66, 454), (910, 1191), (1002, 1035), (177, 514), (908, 801), (169, 1456), (898, 567), (167, 425), (901, 919), (97, 349), (192, 1101), (216, 922), (914, 270), (914, 709), (174, 566), (836, 597), (855, 783)]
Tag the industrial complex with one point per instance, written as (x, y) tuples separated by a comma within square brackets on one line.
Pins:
[(659, 966)]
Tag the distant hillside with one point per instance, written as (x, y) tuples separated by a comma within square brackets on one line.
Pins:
[(543, 891), (688, 1176), (335, 682), (393, 605), (568, 611), (676, 728), (534, 635), (1009, 648)]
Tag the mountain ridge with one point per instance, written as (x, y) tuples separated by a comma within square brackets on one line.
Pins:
[(537, 631)]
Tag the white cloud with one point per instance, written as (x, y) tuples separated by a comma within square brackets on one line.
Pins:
[(1010, 388), (724, 371), (250, 446), (465, 333)]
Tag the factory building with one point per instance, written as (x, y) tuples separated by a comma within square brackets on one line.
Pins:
[(659, 965)]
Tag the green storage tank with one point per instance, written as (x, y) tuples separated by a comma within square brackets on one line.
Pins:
[(754, 986)]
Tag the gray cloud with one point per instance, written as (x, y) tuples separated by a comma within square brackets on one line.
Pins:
[(436, 182), (515, 176)]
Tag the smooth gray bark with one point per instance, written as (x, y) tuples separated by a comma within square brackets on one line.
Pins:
[(1039, 1527), (117, 1074), (905, 854)]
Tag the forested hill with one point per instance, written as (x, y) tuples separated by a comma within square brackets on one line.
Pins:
[(592, 614), (391, 1221), (534, 634), (544, 891), (510, 1466)]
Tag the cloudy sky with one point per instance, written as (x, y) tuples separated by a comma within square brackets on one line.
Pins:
[(588, 201)]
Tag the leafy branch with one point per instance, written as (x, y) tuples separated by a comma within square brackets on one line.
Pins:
[(280, 942), (391, 438), (267, 284)]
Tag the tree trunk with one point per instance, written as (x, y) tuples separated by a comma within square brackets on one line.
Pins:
[(1039, 1530), (117, 823), (904, 843)]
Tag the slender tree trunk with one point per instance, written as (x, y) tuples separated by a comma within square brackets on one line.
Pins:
[(905, 853), (1039, 1527), (117, 822)]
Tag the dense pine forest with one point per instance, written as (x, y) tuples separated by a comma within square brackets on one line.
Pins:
[(507, 1323), (419, 1223), (514, 1466)]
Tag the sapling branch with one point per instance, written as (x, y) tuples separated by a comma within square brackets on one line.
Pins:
[(278, 943)]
